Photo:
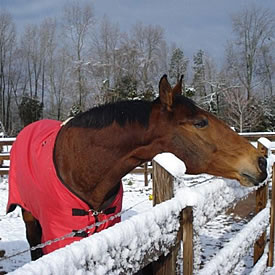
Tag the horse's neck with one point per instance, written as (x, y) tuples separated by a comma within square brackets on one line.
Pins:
[(92, 162)]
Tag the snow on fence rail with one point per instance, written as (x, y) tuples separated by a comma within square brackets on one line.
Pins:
[(130, 245), (229, 256), (123, 248)]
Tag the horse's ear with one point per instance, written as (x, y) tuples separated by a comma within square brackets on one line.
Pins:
[(165, 93), (177, 90)]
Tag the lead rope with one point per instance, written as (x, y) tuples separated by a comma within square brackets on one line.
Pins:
[(70, 235)]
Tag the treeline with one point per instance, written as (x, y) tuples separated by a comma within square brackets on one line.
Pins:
[(58, 68)]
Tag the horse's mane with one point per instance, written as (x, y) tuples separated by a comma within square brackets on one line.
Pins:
[(122, 112)]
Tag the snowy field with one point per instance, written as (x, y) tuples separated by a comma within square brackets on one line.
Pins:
[(212, 237)]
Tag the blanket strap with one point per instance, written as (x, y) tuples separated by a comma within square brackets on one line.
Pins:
[(82, 212), (82, 234)]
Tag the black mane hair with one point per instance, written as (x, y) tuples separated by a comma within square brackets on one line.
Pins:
[(130, 111), (121, 112)]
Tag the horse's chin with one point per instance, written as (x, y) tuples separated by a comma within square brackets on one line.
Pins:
[(248, 180)]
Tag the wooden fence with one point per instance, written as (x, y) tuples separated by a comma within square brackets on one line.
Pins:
[(163, 188), (176, 221), (5, 144), (145, 169), (255, 136)]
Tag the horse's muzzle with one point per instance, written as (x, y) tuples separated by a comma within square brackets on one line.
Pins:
[(254, 179)]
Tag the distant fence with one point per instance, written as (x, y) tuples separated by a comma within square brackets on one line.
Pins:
[(255, 136), (5, 145), (145, 169), (131, 245)]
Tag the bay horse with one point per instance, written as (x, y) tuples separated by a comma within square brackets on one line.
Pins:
[(91, 153)]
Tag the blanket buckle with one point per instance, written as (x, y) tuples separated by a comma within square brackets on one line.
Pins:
[(93, 212)]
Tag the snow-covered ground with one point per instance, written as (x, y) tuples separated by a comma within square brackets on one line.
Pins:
[(212, 237)]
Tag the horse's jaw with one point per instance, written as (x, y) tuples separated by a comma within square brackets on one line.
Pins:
[(249, 180)]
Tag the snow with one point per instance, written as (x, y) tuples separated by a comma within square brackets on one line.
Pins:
[(266, 142), (228, 257), (257, 133), (7, 139), (121, 247), (172, 164), (260, 266)]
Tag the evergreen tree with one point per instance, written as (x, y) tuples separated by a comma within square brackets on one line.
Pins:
[(74, 110), (30, 109), (126, 88), (268, 116), (148, 94), (198, 82), (178, 65)]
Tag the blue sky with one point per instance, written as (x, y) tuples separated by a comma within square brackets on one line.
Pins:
[(191, 24)]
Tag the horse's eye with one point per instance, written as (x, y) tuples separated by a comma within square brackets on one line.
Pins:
[(201, 123)]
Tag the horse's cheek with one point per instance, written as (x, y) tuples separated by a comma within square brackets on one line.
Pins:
[(185, 150)]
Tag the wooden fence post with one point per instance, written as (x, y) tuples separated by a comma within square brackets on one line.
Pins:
[(163, 189), (163, 184), (1, 150), (261, 200), (146, 173), (188, 257), (272, 213)]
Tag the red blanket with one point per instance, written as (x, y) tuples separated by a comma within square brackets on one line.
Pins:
[(34, 185)]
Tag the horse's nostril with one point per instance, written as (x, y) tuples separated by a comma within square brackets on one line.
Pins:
[(262, 164)]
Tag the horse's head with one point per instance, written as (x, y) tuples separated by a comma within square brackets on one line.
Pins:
[(205, 143)]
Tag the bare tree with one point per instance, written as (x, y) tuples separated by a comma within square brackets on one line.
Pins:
[(30, 44), (59, 83), (7, 52), (148, 42), (106, 56), (241, 113), (77, 23), (253, 28), (57, 73), (266, 69)]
